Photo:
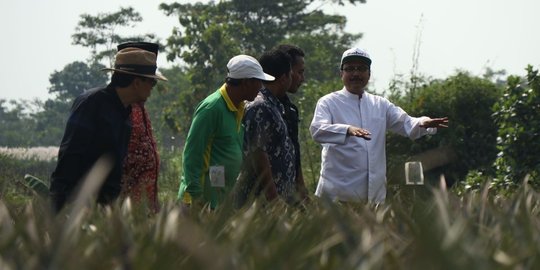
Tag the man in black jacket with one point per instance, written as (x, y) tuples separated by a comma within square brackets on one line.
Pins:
[(99, 127)]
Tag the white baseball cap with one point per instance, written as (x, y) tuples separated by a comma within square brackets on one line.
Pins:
[(355, 53), (246, 67)]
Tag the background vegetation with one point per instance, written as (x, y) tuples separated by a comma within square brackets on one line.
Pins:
[(488, 157)]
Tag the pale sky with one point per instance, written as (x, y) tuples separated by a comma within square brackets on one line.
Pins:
[(460, 34)]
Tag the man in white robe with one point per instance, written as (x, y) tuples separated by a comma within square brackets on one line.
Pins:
[(351, 125)]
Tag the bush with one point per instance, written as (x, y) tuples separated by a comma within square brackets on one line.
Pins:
[(443, 232), (517, 115), (306, 100), (471, 137), (13, 172)]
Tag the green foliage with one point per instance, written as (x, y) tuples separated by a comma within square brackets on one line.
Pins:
[(470, 140), (170, 173), (496, 76), (476, 231), (45, 124), (66, 85), (20, 124), (74, 79), (37, 185), (517, 114), (15, 120), (164, 106), (177, 101), (211, 33), (100, 32), (231, 27), (13, 171), (473, 183), (306, 99), (50, 122), (323, 54)]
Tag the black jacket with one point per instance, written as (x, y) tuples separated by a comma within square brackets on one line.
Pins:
[(99, 124)]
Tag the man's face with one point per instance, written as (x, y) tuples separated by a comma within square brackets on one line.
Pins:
[(144, 88), (297, 75), (251, 88), (355, 75), (287, 80)]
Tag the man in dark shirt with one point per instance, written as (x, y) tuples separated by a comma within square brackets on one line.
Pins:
[(270, 155), (291, 116), (99, 128)]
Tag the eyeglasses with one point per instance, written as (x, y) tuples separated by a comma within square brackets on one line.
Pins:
[(152, 81), (351, 69)]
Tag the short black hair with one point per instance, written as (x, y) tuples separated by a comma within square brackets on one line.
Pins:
[(120, 79), (293, 51), (275, 63)]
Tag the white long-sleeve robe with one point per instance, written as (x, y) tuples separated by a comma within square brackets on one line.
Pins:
[(354, 169)]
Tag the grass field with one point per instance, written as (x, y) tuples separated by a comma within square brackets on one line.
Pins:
[(416, 228), (33, 153)]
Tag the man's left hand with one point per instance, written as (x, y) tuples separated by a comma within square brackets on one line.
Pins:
[(435, 123)]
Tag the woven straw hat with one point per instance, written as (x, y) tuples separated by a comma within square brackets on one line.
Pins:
[(136, 61)]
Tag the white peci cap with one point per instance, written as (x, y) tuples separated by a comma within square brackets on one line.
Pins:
[(246, 67), (355, 53)]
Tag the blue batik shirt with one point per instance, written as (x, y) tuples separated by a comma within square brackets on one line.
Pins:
[(266, 129)]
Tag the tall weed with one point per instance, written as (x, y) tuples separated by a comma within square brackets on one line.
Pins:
[(442, 231)]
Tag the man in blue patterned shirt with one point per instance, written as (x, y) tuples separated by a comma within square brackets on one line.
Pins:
[(269, 150)]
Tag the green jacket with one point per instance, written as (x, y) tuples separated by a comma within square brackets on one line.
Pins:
[(214, 139)]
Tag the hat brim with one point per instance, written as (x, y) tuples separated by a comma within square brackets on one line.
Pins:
[(266, 78), (155, 76), (356, 57)]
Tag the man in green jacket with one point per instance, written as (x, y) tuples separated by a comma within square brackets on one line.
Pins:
[(213, 151)]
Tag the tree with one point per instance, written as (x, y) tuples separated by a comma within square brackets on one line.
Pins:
[(517, 115), (469, 143), (100, 33), (15, 121), (50, 122), (74, 79), (212, 33), (66, 85), (164, 116)]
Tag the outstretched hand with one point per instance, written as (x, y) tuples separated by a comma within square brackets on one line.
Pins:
[(359, 132), (435, 123)]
